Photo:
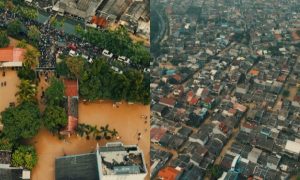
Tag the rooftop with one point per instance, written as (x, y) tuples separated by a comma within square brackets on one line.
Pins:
[(83, 166), (117, 159), (11, 54)]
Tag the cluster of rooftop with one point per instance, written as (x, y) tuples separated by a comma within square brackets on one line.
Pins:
[(225, 90)]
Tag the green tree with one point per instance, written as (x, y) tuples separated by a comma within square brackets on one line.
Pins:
[(24, 156), (55, 118), (75, 65), (26, 73), (55, 92), (22, 44), (4, 41), (34, 33), (27, 12), (5, 144), (62, 69), (21, 122), (31, 58), (105, 131), (27, 91), (14, 27)]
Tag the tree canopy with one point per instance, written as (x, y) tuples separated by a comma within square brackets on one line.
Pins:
[(21, 122), (14, 27), (75, 65), (34, 33), (4, 41), (31, 57), (54, 118), (55, 92), (27, 91), (98, 81), (119, 43), (24, 156)]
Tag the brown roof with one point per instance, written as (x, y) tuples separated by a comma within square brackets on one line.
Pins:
[(11, 54), (157, 133), (167, 101), (100, 21), (71, 87), (72, 123)]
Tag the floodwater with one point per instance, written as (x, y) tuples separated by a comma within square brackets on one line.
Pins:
[(7, 93), (126, 120)]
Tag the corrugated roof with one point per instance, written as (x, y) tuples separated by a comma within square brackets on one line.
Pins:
[(77, 167)]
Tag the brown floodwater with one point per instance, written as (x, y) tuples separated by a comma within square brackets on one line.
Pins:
[(126, 120), (7, 93)]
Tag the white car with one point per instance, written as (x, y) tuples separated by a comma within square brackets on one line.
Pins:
[(107, 53), (90, 60), (85, 56), (121, 58), (115, 69), (72, 53), (124, 59), (147, 70)]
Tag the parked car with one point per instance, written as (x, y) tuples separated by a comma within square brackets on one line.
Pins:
[(107, 53)]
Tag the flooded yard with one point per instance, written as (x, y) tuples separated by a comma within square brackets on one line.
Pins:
[(126, 120), (7, 92)]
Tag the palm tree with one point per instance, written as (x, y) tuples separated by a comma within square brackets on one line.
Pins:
[(105, 131), (95, 131), (27, 91), (114, 133), (80, 130)]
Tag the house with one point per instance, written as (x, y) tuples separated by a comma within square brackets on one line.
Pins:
[(169, 102), (81, 8), (72, 98), (273, 161), (254, 155), (159, 109), (292, 149), (11, 57), (156, 133), (208, 102), (110, 162), (169, 173)]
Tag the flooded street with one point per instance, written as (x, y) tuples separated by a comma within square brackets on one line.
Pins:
[(7, 93), (126, 120)]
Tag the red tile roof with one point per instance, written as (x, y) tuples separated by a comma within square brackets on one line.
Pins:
[(72, 123), (169, 173), (71, 88), (11, 54), (100, 21)]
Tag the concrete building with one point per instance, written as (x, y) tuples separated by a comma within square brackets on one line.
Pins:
[(11, 57), (80, 8), (111, 162)]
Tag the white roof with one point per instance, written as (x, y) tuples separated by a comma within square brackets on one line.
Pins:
[(28, 1), (292, 146), (199, 92), (11, 64), (25, 174)]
